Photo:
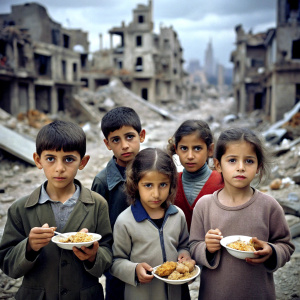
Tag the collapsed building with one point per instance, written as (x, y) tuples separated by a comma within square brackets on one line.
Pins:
[(43, 64), (267, 65), (40, 61), (149, 64)]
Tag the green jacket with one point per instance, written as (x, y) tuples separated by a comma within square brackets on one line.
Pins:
[(56, 273)]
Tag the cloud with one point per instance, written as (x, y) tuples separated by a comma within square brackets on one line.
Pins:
[(195, 21)]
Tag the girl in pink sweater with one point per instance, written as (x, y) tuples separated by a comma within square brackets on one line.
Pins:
[(239, 209), (193, 143)]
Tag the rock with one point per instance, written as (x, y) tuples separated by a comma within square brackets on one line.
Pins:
[(275, 184)]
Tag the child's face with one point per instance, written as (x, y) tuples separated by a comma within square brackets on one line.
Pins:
[(238, 165), (60, 167), (125, 144), (154, 190), (193, 152)]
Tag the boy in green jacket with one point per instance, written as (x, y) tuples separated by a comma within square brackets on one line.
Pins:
[(26, 249)]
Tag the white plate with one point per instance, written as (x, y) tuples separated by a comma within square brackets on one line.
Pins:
[(176, 282), (237, 253), (68, 246)]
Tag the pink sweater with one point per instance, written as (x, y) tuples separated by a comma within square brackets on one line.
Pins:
[(227, 277), (214, 182)]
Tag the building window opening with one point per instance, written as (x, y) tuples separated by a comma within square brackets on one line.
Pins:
[(55, 37), (75, 72), (66, 41), (139, 64), (64, 69), (297, 98), (42, 63), (141, 19), (145, 93), (258, 101), (139, 41), (296, 49)]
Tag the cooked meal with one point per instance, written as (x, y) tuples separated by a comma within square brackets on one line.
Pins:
[(166, 269), (177, 271), (79, 237), (242, 246)]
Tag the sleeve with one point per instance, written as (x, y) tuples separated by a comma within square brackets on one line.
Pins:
[(197, 240), (280, 237), (122, 267), (104, 254), (13, 261)]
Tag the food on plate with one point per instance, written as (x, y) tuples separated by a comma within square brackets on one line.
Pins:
[(79, 237), (175, 275), (242, 246), (182, 268), (166, 269), (176, 270)]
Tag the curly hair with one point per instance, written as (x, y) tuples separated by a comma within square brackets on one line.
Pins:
[(147, 160)]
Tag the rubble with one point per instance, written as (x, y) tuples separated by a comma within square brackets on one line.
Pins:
[(160, 124)]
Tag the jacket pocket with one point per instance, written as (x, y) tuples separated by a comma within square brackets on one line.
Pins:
[(92, 292), (28, 293)]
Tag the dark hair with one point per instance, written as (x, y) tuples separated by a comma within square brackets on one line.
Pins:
[(61, 135), (119, 117), (249, 136), (150, 159), (188, 127)]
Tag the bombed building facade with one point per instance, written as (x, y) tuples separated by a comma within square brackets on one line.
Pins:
[(43, 64), (149, 64), (267, 65), (40, 62)]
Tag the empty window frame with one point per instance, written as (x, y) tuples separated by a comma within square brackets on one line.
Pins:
[(139, 41), (139, 64)]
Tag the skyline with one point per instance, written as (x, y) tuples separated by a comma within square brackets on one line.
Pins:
[(196, 23)]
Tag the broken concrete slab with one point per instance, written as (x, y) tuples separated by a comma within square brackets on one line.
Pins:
[(17, 144)]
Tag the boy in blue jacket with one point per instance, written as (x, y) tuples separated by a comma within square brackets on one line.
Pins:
[(123, 134)]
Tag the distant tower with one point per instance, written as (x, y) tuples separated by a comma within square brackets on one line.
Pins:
[(209, 65)]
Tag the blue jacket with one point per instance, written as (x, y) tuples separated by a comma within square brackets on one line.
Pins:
[(109, 183)]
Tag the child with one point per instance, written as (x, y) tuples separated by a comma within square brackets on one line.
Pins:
[(123, 134), (26, 248), (193, 143), (239, 209), (152, 230)]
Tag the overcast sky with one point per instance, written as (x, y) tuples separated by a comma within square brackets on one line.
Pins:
[(195, 21)]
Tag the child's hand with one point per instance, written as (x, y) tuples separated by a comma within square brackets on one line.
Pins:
[(212, 240), (183, 256), (265, 252), (142, 271), (85, 253), (39, 237)]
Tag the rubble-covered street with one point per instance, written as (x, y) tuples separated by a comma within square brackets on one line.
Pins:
[(18, 178)]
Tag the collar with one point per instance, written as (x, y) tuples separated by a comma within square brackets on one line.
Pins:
[(85, 195), (114, 176), (199, 175), (140, 214), (44, 197)]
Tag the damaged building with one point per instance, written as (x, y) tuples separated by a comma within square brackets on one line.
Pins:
[(149, 64), (267, 65), (41, 61)]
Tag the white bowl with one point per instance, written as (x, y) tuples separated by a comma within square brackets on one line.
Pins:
[(176, 282), (237, 253), (68, 246)]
